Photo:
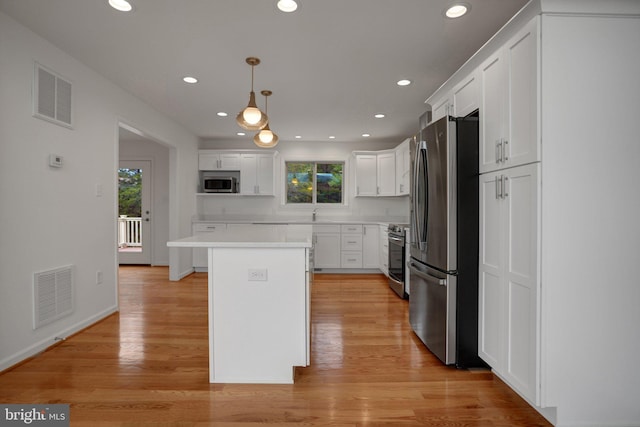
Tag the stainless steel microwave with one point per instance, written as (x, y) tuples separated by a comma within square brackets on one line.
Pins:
[(219, 184)]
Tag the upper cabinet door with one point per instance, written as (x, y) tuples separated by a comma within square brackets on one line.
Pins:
[(509, 103), (212, 161), (466, 96), (403, 169), (257, 174), (386, 174), (366, 171), (441, 108)]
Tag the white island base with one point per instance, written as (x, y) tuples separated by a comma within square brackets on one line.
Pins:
[(259, 301)]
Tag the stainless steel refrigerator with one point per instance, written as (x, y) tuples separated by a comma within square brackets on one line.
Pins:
[(443, 305)]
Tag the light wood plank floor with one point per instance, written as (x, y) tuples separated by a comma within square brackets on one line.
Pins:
[(147, 366)]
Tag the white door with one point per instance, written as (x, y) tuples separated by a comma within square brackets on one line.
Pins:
[(134, 212)]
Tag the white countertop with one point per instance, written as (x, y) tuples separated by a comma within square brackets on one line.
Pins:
[(282, 236)]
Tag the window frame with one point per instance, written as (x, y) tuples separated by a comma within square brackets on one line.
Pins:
[(314, 203)]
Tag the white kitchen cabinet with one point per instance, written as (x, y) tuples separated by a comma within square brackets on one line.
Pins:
[(466, 95), (215, 160), (583, 219), (200, 262), (441, 108), (376, 173), (384, 249), (257, 174), (327, 246), (386, 174), (509, 276), (403, 168), (351, 246), (370, 246), (508, 93), (366, 175)]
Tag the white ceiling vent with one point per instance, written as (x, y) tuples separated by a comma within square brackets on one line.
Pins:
[(53, 295), (51, 97)]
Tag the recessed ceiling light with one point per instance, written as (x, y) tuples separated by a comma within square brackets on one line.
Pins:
[(332, 137), (298, 136), (189, 79), (121, 5), (379, 116), (404, 82), (222, 114), (287, 5), (457, 10), (366, 135), (241, 134)]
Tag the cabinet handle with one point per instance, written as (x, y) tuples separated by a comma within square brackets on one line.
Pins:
[(505, 156), (498, 180), (505, 179)]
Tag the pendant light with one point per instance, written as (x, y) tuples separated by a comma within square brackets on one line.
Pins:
[(251, 118), (266, 138)]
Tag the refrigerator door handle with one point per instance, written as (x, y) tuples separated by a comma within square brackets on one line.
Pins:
[(426, 276), (418, 229)]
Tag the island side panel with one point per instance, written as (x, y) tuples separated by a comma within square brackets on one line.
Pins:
[(258, 314)]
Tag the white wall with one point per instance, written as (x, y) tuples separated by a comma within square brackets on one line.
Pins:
[(590, 218), (360, 207), (52, 217), (144, 149)]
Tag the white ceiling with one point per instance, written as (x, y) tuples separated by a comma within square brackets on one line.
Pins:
[(331, 65)]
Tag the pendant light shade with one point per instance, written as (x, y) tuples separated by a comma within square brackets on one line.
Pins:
[(251, 118), (266, 138)]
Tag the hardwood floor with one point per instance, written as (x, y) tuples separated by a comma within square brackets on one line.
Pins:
[(148, 366)]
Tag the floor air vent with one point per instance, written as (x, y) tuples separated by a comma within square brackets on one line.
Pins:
[(53, 295), (52, 97)]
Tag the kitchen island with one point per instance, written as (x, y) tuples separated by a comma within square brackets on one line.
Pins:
[(259, 302)]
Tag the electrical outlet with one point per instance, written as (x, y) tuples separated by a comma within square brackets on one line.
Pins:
[(98, 277), (257, 274)]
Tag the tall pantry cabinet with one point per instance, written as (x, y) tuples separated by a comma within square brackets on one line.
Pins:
[(509, 212), (559, 207)]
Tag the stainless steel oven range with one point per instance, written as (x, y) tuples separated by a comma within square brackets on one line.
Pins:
[(397, 259)]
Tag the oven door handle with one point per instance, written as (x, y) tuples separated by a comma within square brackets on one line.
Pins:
[(397, 239)]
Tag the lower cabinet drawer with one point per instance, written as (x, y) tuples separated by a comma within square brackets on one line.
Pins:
[(351, 242), (351, 260)]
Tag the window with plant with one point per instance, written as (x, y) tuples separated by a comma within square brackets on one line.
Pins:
[(314, 182)]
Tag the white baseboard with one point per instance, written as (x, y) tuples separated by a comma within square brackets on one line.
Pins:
[(53, 339), (182, 275)]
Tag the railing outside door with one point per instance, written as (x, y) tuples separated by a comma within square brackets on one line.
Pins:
[(129, 232)]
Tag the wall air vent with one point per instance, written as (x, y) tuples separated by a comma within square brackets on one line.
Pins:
[(53, 295), (51, 97)]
